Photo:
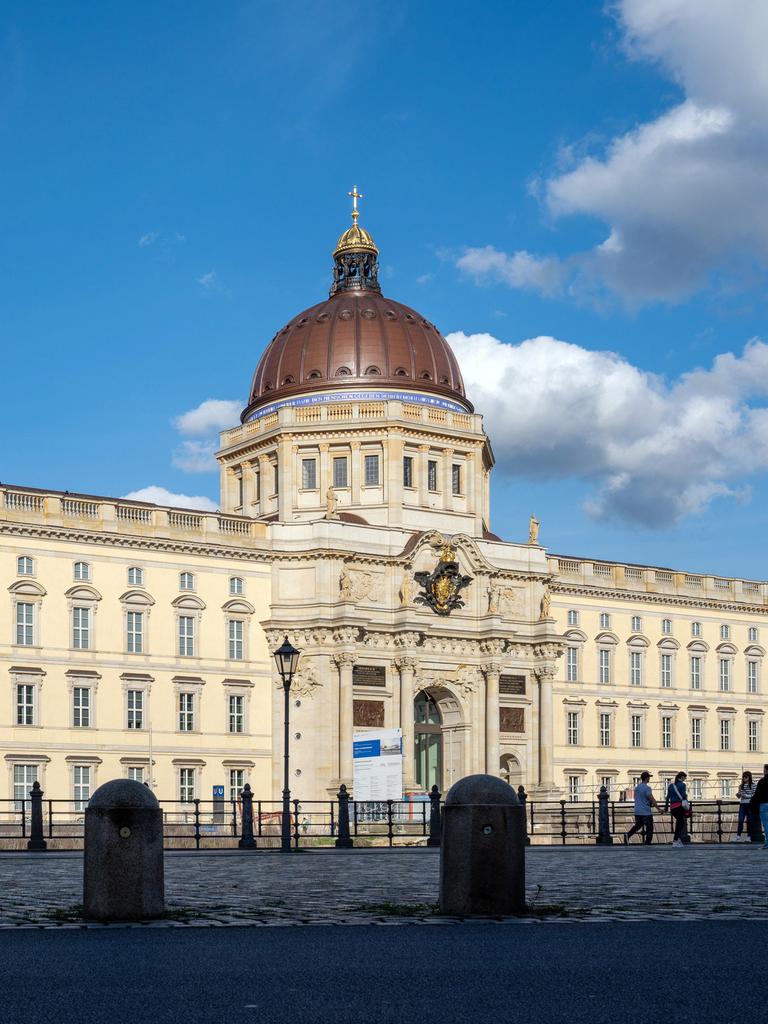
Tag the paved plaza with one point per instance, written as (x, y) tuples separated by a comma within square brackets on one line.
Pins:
[(266, 888)]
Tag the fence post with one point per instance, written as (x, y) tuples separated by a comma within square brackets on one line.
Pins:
[(197, 822), (522, 796), (36, 841), (604, 837), (344, 842), (434, 817), (719, 821), (295, 824), (563, 830), (247, 842)]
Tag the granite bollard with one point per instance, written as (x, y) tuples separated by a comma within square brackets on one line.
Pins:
[(482, 857), (123, 853)]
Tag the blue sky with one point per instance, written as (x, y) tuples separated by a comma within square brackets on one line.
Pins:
[(174, 177)]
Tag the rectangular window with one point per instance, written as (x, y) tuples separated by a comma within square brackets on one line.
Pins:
[(309, 474), (236, 647), (637, 730), (695, 672), (186, 636), (752, 634), (25, 704), (81, 707), (407, 471), (725, 632), (24, 776), (666, 671), (276, 478), (697, 789), (637, 624), (240, 490), (573, 728), (236, 783), (257, 482), (696, 733), (666, 626), (81, 628), (456, 479), (725, 674), (573, 618), (726, 788), (751, 677), (725, 734), (605, 666), (607, 782), (135, 709), (666, 732), (636, 668), (236, 713), (605, 729), (371, 468), (695, 629), (82, 571), (572, 664), (135, 632), (431, 475), (186, 712), (25, 624), (187, 784), (753, 736), (81, 780), (340, 472), (574, 788), (605, 620), (136, 773)]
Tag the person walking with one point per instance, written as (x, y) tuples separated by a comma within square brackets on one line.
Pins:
[(679, 806), (744, 795), (644, 804), (759, 804)]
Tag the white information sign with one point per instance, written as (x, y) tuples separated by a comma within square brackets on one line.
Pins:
[(377, 759)]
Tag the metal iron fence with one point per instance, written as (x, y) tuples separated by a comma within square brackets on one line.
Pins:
[(208, 824)]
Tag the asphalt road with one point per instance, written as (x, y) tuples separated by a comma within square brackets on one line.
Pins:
[(551, 972)]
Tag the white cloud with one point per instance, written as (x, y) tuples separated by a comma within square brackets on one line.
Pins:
[(520, 270), (212, 414), (682, 197), (195, 457), (148, 239), (160, 496), (654, 451), (208, 281)]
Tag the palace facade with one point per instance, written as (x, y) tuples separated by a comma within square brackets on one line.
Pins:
[(355, 518)]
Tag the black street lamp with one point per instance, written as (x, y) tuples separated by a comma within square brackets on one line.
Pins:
[(287, 658)]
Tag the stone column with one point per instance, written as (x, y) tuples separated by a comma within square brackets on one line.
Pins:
[(492, 673), (407, 667), (545, 675), (422, 470), (230, 494), (345, 660), (265, 482), (285, 498), (248, 487), (393, 478), (325, 473), (447, 478)]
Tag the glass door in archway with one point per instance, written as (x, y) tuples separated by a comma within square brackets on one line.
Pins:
[(429, 742)]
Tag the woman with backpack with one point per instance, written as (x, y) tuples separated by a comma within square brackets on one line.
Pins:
[(679, 806)]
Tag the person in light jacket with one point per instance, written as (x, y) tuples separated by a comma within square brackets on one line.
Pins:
[(677, 801), (744, 795)]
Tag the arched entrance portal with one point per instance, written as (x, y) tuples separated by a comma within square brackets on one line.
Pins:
[(511, 770), (439, 736)]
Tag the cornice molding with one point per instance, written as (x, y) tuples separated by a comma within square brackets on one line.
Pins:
[(667, 599)]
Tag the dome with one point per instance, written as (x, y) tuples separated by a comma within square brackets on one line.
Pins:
[(357, 338)]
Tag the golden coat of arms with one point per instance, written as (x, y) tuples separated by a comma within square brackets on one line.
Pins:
[(442, 587)]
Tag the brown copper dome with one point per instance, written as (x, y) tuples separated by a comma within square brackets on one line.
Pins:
[(356, 339)]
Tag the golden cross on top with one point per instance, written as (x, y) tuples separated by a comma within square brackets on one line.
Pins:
[(354, 196)]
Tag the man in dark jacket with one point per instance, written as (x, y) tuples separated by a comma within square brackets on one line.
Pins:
[(759, 804)]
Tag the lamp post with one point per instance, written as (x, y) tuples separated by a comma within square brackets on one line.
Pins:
[(286, 658)]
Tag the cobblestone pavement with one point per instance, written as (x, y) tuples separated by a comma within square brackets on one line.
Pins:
[(387, 887)]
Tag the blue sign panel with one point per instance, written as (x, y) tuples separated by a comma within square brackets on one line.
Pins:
[(218, 792), (366, 748)]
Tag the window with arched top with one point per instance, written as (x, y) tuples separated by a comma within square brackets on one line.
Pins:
[(186, 581), (135, 576), (314, 375), (236, 585), (401, 372), (425, 375), (373, 371), (82, 571), (343, 371), (25, 566), (288, 380)]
